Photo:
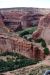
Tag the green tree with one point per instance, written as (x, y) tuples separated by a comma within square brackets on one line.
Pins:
[(46, 51)]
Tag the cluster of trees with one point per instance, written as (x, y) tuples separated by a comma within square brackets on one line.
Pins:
[(43, 43), (19, 62), (27, 31)]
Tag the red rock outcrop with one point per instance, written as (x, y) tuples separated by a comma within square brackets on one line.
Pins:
[(1, 21), (3, 28), (18, 21), (43, 29), (19, 18), (15, 19), (37, 33), (20, 45)]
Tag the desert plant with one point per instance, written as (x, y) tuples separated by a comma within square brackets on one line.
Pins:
[(42, 41), (38, 40), (24, 33), (46, 51), (20, 61)]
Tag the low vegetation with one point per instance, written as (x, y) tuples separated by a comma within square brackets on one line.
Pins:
[(42, 41), (27, 31), (46, 51), (43, 44), (19, 62), (24, 33)]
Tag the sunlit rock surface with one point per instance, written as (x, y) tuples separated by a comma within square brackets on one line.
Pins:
[(17, 44), (43, 29), (12, 20)]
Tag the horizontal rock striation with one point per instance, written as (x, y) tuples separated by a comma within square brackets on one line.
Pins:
[(21, 46), (21, 18)]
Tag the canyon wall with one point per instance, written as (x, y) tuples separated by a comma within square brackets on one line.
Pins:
[(43, 29), (21, 46), (20, 18)]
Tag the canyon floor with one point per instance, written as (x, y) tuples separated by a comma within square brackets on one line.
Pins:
[(17, 28), (38, 69)]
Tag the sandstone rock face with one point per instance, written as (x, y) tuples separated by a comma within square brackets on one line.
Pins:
[(14, 20), (43, 29), (20, 45), (45, 24), (21, 18), (37, 33), (18, 19), (1, 21), (3, 28)]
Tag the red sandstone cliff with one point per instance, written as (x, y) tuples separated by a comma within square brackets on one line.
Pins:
[(18, 19), (13, 20), (20, 45), (21, 18), (43, 29)]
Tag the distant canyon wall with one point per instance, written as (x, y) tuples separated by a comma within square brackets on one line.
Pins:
[(20, 18)]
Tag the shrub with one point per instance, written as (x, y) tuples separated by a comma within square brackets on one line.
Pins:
[(24, 33), (38, 40), (29, 39), (46, 51), (42, 41), (20, 61), (27, 31)]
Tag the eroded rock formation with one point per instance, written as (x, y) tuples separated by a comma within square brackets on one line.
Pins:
[(43, 29), (20, 45), (14, 20), (18, 19)]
